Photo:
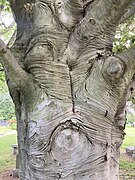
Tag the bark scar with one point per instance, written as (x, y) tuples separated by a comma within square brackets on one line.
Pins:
[(106, 113), (28, 7)]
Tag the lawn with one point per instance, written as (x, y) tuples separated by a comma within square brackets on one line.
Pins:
[(129, 139), (127, 167), (6, 158), (4, 129), (127, 164)]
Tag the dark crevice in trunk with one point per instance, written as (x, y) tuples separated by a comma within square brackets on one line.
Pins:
[(86, 5), (71, 84)]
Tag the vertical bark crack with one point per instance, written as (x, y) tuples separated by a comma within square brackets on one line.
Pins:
[(71, 85)]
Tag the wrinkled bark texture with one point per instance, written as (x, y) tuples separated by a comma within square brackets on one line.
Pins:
[(69, 89)]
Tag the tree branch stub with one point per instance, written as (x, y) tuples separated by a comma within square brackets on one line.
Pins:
[(11, 66)]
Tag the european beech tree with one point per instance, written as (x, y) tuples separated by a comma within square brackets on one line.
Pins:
[(68, 87)]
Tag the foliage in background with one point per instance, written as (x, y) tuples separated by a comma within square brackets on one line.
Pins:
[(7, 28), (13, 126), (6, 107), (125, 35), (7, 24), (130, 118), (3, 87)]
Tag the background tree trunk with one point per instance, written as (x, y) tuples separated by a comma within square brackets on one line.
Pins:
[(69, 89)]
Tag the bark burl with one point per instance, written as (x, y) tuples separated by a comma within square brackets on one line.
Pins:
[(69, 89)]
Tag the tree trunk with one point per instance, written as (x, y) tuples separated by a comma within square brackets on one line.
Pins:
[(69, 89)]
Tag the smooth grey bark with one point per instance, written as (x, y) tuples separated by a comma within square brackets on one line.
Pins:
[(69, 89)]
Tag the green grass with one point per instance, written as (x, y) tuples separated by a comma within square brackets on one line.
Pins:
[(129, 138), (127, 164), (127, 167), (6, 158), (4, 129)]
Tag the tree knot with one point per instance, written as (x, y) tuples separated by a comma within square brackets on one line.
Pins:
[(114, 68)]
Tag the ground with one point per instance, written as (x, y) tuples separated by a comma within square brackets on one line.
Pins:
[(6, 175), (127, 167)]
